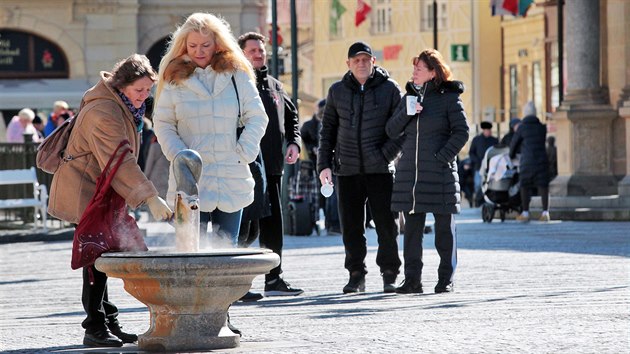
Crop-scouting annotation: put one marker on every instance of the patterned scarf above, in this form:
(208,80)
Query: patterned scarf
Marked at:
(137,113)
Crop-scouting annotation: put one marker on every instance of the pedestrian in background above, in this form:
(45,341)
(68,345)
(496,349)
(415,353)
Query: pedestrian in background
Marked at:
(533,167)
(111,112)
(280,144)
(507,138)
(477,151)
(310,137)
(53,122)
(552,157)
(354,146)
(21,126)
(435,131)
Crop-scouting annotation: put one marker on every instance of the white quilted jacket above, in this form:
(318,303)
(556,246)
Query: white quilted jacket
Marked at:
(201,113)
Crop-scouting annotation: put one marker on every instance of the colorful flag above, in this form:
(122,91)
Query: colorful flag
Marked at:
(497,8)
(363,10)
(523,6)
(336,10)
(510,7)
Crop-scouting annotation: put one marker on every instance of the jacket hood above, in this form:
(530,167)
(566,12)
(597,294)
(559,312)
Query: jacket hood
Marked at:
(379,75)
(446,86)
(180,68)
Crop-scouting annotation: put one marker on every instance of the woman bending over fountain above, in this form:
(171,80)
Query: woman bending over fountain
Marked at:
(111,112)
(206,90)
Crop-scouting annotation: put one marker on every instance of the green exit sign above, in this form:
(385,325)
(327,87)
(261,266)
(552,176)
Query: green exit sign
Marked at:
(459,52)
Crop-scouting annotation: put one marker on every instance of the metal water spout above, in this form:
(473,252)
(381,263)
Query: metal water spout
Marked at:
(187,166)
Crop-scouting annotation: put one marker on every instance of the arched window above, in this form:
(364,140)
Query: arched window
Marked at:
(24,55)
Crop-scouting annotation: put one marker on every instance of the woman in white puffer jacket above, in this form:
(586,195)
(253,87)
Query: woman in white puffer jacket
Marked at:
(198,107)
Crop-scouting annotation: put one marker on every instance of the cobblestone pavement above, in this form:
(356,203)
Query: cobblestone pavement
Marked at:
(559,287)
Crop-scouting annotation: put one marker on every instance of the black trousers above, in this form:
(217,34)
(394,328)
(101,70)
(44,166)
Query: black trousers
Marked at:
(445,244)
(271,227)
(353,193)
(95,301)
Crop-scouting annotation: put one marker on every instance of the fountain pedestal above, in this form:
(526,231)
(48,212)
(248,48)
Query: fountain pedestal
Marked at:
(188,294)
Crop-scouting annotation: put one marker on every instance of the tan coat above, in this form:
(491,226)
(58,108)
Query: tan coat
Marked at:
(103,122)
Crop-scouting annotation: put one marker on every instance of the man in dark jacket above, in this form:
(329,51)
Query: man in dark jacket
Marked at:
(282,130)
(477,151)
(533,166)
(353,144)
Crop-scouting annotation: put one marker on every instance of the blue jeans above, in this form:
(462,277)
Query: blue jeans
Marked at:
(225,225)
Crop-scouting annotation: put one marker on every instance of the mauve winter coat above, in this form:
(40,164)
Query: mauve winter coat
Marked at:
(199,110)
(426,175)
(103,122)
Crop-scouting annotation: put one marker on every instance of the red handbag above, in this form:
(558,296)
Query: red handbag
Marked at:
(105,225)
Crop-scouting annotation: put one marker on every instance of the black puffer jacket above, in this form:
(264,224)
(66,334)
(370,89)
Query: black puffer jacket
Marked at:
(530,138)
(426,175)
(353,139)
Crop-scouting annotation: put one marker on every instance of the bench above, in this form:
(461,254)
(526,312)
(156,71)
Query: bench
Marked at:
(39,199)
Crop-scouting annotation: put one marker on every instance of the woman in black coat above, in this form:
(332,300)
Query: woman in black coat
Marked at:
(426,177)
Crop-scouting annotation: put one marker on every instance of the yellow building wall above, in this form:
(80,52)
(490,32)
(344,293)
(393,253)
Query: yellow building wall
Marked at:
(524,44)
(489,69)
(330,55)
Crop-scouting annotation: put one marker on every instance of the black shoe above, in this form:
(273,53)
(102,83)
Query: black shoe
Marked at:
(356,284)
(250,297)
(116,329)
(410,287)
(279,287)
(389,281)
(101,338)
(444,287)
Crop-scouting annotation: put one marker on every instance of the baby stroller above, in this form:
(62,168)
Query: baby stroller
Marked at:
(500,184)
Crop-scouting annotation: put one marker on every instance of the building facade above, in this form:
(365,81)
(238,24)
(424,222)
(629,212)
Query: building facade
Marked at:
(54,49)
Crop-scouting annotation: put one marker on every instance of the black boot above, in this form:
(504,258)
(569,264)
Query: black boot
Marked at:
(444,286)
(410,286)
(116,330)
(101,338)
(356,283)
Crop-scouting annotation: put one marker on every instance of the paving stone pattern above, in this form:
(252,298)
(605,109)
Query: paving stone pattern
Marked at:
(559,287)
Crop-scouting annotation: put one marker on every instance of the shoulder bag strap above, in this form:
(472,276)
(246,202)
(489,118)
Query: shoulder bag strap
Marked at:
(239,130)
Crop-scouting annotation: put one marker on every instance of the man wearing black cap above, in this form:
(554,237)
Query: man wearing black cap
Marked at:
(354,146)
(478,148)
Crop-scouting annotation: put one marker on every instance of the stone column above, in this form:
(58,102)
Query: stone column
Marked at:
(624,109)
(584,119)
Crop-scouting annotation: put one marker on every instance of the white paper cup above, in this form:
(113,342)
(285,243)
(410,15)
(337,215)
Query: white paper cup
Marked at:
(327,190)
(411,105)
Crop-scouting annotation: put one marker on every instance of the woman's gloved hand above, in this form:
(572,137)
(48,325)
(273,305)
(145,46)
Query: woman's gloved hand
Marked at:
(159,209)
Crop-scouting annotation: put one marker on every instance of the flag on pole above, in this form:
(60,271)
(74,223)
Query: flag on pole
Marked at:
(336,10)
(510,7)
(363,10)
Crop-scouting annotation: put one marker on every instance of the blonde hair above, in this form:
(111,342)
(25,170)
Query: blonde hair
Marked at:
(228,55)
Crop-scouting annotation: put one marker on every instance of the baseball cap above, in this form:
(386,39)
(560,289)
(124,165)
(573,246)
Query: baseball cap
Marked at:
(359,48)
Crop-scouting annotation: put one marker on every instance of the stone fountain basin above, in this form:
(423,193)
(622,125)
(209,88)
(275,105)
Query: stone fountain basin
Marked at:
(188,294)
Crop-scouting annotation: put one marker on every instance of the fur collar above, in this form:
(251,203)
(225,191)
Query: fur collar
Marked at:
(180,68)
